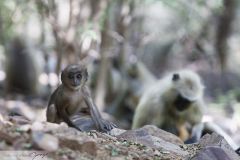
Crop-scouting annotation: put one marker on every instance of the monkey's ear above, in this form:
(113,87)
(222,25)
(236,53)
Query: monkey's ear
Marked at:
(62,76)
(175,77)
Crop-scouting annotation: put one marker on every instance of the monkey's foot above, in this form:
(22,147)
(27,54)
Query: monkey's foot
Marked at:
(107,126)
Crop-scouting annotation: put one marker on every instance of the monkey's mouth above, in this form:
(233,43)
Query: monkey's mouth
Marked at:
(75,87)
(75,84)
(182,103)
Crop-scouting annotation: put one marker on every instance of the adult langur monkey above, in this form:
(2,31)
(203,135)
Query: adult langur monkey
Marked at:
(175,104)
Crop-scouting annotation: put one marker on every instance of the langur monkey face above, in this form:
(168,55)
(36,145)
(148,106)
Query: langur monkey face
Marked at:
(182,103)
(188,88)
(74,76)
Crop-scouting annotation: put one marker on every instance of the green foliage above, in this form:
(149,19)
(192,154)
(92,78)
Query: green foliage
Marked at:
(114,152)
(231,95)
(13,14)
(6,13)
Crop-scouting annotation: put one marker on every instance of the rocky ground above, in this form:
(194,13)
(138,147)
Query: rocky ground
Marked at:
(29,139)
(42,140)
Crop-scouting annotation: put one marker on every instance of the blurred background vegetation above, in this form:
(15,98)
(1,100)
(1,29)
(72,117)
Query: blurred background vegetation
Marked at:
(126,45)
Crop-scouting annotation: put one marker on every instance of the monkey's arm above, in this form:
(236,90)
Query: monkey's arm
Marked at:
(101,124)
(142,113)
(196,133)
(51,108)
(195,119)
(53,97)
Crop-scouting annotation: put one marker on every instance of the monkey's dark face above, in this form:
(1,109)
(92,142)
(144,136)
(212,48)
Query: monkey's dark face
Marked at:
(74,76)
(182,103)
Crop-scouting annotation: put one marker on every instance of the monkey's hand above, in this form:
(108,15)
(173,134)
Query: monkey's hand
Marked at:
(101,124)
(238,151)
(106,126)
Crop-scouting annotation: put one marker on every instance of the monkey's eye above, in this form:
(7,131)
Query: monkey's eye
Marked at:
(79,76)
(175,77)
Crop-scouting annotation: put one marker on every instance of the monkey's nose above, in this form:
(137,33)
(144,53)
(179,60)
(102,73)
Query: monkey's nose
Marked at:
(75,83)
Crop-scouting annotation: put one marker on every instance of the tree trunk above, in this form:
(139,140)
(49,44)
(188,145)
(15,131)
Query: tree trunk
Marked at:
(224,28)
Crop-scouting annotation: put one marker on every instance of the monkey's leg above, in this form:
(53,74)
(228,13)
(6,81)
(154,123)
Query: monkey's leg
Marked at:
(183,132)
(63,114)
(85,123)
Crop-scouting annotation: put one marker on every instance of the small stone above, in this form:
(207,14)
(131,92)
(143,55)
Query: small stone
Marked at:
(19,120)
(89,147)
(46,142)
(37,126)
(116,131)
(53,126)
(21,108)
(24,128)
(157,153)
(183,147)
(114,152)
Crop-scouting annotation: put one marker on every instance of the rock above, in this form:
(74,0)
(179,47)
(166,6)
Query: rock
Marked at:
(21,108)
(212,153)
(158,143)
(37,126)
(156,138)
(154,131)
(78,141)
(3,120)
(42,126)
(24,128)
(47,126)
(87,145)
(18,120)
(44,141)
(6,137)
(215,143)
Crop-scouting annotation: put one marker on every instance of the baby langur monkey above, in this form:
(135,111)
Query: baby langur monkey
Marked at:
(73,98)
(174,104)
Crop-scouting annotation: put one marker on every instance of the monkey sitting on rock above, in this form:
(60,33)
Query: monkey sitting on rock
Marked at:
(175,104)
(72,98)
